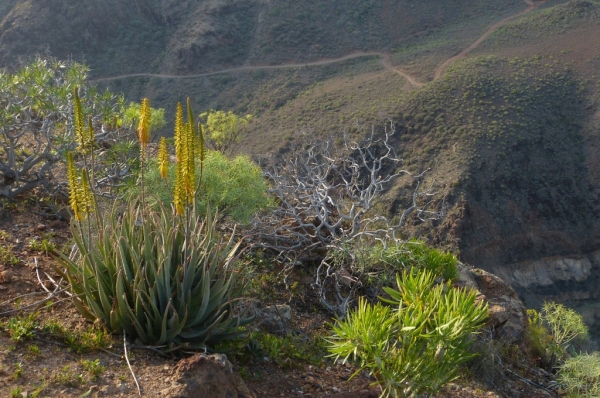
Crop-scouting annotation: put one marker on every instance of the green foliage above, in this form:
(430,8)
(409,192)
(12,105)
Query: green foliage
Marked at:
(566,324)
(552,332)
(287,350)
(415,345)
(223,128)
(381,263)
(94,368)
(16,392)
(235,186)
(131,116)
(580,376)
(22,328)
(537,335)
(35,107)
(547,22)
(169,281)
(7,256)
(91,337)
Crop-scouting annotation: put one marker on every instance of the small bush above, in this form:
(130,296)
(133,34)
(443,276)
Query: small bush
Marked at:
(417,344)
(35,119)
(537,335)
(235,186)
(580,376)
(566,327)
(381,264)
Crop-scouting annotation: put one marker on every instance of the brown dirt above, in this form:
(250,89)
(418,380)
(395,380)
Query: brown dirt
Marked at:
(56,370)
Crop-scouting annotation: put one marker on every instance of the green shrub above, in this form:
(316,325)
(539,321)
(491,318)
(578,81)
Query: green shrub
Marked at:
(565,325)
(235,186)
(35,117)
(554,332)
(381,263)
(537,335)
(580,376)
(415,345)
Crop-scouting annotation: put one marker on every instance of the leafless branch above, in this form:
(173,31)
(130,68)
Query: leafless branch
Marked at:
(327,198)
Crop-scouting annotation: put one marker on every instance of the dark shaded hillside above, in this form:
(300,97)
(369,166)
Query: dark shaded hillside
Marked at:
(520,126)
(183,36)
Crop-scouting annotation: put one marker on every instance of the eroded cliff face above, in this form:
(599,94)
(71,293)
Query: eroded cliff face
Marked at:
(572,280)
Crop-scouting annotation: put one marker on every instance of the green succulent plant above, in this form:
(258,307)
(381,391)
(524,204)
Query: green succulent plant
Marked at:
(169,281)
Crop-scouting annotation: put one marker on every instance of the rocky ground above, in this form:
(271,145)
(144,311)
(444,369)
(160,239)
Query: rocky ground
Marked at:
(59,354)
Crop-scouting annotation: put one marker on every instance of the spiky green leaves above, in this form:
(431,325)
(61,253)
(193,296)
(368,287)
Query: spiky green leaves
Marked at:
(416,344)
(170,282)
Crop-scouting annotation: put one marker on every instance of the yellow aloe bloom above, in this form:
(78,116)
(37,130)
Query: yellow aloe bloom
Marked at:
(179,194)
(78,119)
(201,148)
(163,158)
(74,191)
(87,200)
(178,131)
(143,127)
(189,165)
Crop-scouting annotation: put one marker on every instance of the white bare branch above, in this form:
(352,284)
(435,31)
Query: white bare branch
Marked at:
(327,199)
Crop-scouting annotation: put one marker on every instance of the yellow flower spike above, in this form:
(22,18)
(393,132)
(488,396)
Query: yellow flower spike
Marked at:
(190,113)
(78,119)
(74,192)
(143,127)
(87,200)
(178,130)
(201,149)
(163,158)
(190,167)
(179,196)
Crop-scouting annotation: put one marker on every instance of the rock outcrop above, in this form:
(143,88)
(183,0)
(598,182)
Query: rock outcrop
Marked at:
(507,314)
(571,280)
(206,376)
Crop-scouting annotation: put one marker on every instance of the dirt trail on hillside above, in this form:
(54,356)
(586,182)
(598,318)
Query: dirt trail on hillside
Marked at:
(442,68)
(385,59)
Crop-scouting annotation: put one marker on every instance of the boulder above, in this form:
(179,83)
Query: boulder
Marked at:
(205,375)
(507,314)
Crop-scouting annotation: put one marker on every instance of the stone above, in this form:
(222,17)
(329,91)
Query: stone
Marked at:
(274,319)
(5,276)
(205,375)
(507,313)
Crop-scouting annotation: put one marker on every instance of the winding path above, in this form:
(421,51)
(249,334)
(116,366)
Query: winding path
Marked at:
(385,58)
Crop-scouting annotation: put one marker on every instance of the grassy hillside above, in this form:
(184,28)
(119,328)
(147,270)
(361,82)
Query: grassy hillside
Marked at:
(516,128)
(186,36)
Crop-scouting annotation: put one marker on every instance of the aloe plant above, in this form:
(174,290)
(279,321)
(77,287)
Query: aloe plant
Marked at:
(168,280)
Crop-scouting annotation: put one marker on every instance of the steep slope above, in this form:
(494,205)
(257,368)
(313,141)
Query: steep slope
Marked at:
(187,36)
